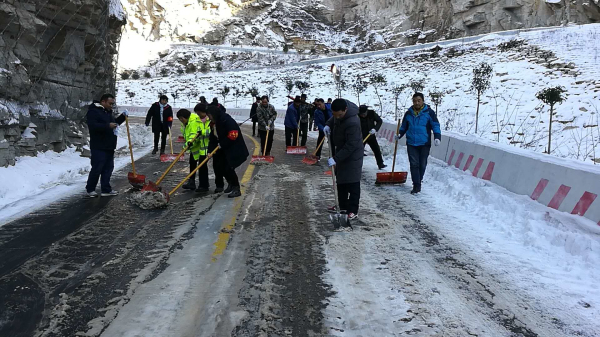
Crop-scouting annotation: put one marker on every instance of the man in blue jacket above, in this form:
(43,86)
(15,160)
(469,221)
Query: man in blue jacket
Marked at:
(103,141)
(418,123)
(322,115)
(291,123)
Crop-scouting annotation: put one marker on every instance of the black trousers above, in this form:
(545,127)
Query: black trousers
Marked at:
(417,156)
(163,140)
(254,128)
(321,136)
(291,136)
(372,142)
(310,123)
(263,139)
(303,133)
(103,163)
(202,172)
(349,197)
(223,170)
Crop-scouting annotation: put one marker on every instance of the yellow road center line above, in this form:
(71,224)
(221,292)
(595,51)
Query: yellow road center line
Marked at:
(224,234)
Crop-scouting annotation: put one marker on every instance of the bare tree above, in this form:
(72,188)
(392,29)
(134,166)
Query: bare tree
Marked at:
(224,92)
(480,82)
(302,86)
(397,90)
(417,85)
(289,85)
(253,91)
(378,81)
(551,97)
(270,90)
(358,87)
(237,94)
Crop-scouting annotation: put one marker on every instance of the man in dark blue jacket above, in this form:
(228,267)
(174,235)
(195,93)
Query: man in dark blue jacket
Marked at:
(291,123)
(322,115)
(103,141)
(418,123)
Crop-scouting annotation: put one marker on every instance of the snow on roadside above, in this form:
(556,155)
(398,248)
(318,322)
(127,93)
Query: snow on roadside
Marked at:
(545,257)
(37,181)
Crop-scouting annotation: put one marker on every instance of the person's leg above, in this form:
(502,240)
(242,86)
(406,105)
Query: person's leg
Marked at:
(163,140)
(372,141)
(321,136)
(97,161)
(415,168)
(270,142)
(107,170)
(156,137)
(343,196)
(288,136)
(295,137)
(423,156)
(233,181)
(354,197)
(203,174)
(310,124)
(191,183)
(253,128)
(218,168)
(304,132)
(263,139)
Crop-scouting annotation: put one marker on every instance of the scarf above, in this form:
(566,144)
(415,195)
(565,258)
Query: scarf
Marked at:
(162,107)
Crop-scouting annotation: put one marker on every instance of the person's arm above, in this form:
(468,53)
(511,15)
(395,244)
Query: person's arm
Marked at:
(149,115)
(330,122)
(378,121)
(273,116)
(404,127)
(352,143)
(168,115)
(435,125)
(95,122)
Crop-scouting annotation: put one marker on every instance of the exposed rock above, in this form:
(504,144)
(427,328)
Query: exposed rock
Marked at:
(55,57)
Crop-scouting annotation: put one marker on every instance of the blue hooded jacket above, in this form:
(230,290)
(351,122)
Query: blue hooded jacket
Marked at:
(321,117)
(291,117)
(418,128)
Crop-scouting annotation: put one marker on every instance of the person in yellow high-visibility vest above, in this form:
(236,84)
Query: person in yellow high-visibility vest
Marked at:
(193,124)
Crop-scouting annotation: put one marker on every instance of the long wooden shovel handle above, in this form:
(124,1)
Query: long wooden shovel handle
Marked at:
(194,171)
(266,140)
(298,136)
(130,148)
(318,147)
(367,137)
(175,161)
(396,146)
(171,141)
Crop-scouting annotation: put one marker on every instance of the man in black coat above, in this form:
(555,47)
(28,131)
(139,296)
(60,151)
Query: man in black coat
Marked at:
(232,153)
(344,130)
(253,115)
(161,116)
(103,129)
(370,123)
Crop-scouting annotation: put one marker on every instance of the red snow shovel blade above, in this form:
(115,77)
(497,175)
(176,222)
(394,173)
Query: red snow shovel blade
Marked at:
(165,158)
(310,159)
(150,187)
(136,180)
(179,139)
(391,178)
(296,150)
(262,160)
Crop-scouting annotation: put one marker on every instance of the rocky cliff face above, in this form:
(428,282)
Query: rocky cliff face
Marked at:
(55,57)
(346,24)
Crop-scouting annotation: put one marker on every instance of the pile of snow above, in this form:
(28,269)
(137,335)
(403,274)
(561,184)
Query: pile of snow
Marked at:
(509,113)
(36,181)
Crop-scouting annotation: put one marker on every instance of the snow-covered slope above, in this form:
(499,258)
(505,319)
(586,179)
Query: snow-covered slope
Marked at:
(510,113)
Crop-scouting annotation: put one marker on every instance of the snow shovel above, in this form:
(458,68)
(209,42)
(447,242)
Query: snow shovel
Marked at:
(338,219)
(263,159)
(191,173)
(153,187)
(165,157)
(392,177)
(136,180)
(312,159)
(296,149)
(244,122)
